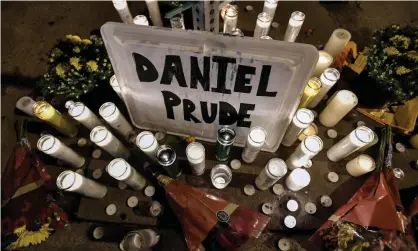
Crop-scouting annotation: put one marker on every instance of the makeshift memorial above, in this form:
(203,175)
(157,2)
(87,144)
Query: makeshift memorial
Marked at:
(298,179)
(108,142)
(154,11)
(230,20)
(195,153)
(122,7)
(83,114)
(139,240)
(141,20)
(338,106)
(55,148)
(177,21)
(311,130)
(294,26)
(167,158)
(336,43)
(220,175)
(148,144)
(25,104)
(122,171)
(115,86)
(324,61)
(255,141)
(262,26)
(328,78)
(306,150)
(311,90)
(115,118)
(360,165)
(225,139)
(70,181)
(270,7)
(302,119)
(272,172)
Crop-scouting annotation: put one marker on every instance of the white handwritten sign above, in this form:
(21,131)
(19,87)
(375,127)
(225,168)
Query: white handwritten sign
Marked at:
(190,83)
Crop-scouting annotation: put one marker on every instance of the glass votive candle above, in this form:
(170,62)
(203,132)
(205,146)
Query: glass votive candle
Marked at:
(262,25)
(122,171)
(83,114)
(340,104)
(141,20)
(220,175)
(324,61)
(306,150)
(230,20)
(255,141)
(108,142)
(195,153)
(177,22)
(311,130)
(272,172)
(70,181)
(374,142)
(298,179)
(115,119)
(293,28)
(302,119)
(115,86)
(270,7)
(47,113)
(328,78)
(225,139)
(25,104)
(310,91)
(358,138)
(360,165)
(55,148)
(147,143)
(167,158)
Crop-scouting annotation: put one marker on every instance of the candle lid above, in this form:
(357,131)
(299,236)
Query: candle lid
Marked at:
(145,140)
(166,155)
(226,135)
(249,8)
(275,24)
(257,135)
(277,167)
(290,221)
(195,151)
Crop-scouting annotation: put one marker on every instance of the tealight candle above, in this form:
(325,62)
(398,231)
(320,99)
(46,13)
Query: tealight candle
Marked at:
(324,61)
(154,11)
(231,19)
(272,172)
(263,25)
(177,22)
(115,86)
(414,141)
(255,141)
(122,171)
(337,42)
(311,130)
(290,221)
(339,105)
(122,8)
(55,148)
(306,150)
(115,119)
(83,114)
(141,20)
(73,182)
(328,78)
(147,143)
(302,119)
(294,26)
(361,165)
(195,153)
(358,138)
(292,205)
(270,7)
(108,142)
(298,179)
(310,91)
(47,113)
(25,104)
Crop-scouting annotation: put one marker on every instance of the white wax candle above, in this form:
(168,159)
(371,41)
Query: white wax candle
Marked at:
(263,25)
(55,148)
(292,205)
(141,20)
(358,138)
(298,179)
(115,86)
(195,153)
(328,78)
(324,61)
(302,119)
(272,172)
(115,119)
(121,170)
(231,19)
(361,165)
(73,182)
(122,7)
(255,141)
(337,42)
(414,141)
(105,139)
(83,114)
(147,143)
(293,28)
(25,104)
(339,105)
(154,11)
(270,7)
(306,150)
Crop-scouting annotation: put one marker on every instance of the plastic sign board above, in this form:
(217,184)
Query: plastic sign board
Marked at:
(190,83)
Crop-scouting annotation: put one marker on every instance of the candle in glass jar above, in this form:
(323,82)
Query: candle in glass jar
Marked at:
(122,171)
(25,104)
(231,19)
(167,158)
(338,106)
(324,61)
(361,165)
(225,139)
(83,114)
(70,181)
(141,20)
(147,143)
(374,142)
(293,28)
(108,142)
(306,150)
(55,148)
(272,172)
(115,119)
(311,130)
(255,141)
(195,153)
(263,25)
(310,91)
(328,78)
(358,138)
(47,113)
(115,86)
(122,8)
(270,7)
(302,119)
(298,179)
(337,42)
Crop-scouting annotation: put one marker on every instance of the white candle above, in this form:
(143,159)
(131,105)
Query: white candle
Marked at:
(255,141)
(337,42)
(263,25)
(272,172)
(328,78)
(338,106)
(298,179)
(55,148)
(122,171)
(154,11)
(122,7)
(147,143)
(230,20)
(302,119)
(73,182)
(361,165)
(141,20)
(195,153)
(306,150)
(83,114)
(324,61)
(309,131)
(293,28)
(177,22)
(358,138)
(25,104)
(270,7)
(115,86)
(108,142)
(292,205)
(115,119)
(414,141)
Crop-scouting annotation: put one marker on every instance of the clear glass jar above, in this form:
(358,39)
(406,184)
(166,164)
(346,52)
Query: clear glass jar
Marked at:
(115,118)
(295,24)
(83,114)
(270,7)
(139,240)
(195,153)
(310,91)
(55,148)
(328,79)
(167,158)
(105,139)
(262,26)
(272,172)
(220,176)
(70,181)
(225,139)
(306,150)
(147,143)
(255,141)
(302,119)
(122,171)
(230,20)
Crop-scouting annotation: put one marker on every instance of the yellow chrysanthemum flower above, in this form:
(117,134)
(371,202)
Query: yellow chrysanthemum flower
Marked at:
(51,60)
(412,55)
(399,38)
(76,49)
(60,70)
(87,41)
(92,65)
(402,70)
(391,51)
(75,62)
(73,38)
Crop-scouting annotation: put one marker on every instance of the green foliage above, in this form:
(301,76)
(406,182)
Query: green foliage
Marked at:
(393,62)
(75,67)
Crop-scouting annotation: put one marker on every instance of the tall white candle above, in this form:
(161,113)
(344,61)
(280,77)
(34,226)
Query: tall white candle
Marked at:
(108,142)
(83,114)
(73,182)
(302,119)
(324,61)
(147,143)
(272,172)
(141,20)
(154,11)
(270,7)
(255,141)
(230,20)
(122,171)
(195,153)
(122,7)
(337,42)
(358,138)
(361,165)
(298,179)
(306,150)
(55,148)
(115,86)
(339,105)
(295,24)
(328,78)
(115,119)
(262,25)
(25,104)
